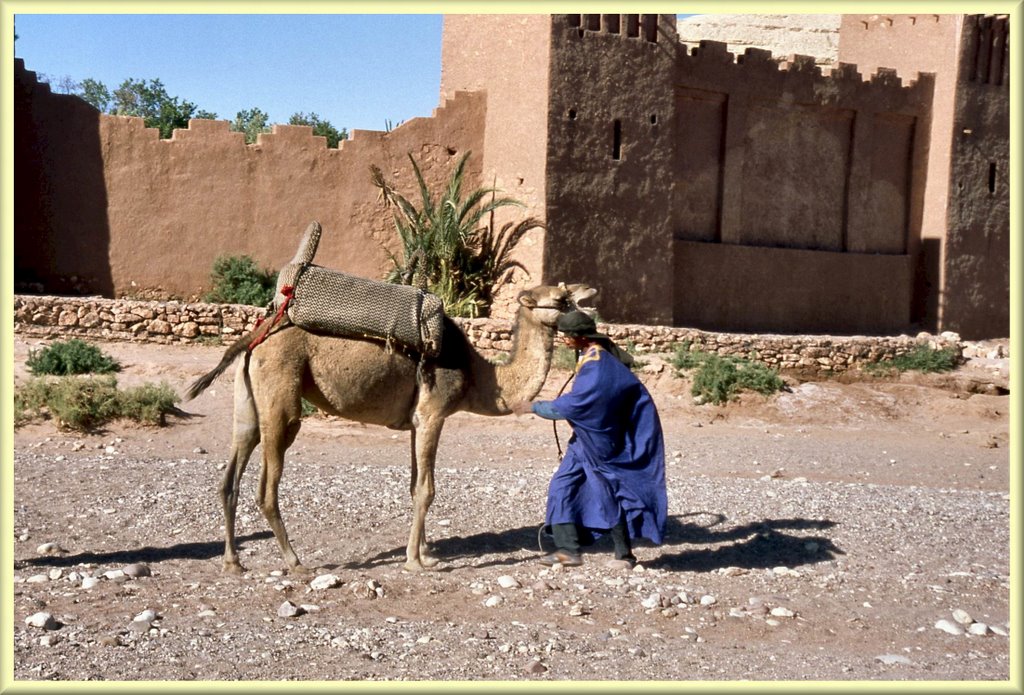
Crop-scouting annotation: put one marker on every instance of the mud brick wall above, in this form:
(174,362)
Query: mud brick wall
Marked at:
(104,206)
(95,318)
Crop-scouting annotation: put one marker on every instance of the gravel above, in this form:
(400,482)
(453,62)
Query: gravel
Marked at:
(868,547)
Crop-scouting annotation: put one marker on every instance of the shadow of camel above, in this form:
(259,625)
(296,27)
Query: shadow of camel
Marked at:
(148,554)
(755,545)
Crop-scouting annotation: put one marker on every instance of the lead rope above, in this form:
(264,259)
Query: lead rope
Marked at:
(554,423)
(289,293)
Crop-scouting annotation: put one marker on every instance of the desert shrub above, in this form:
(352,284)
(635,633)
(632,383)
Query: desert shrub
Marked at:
(75,402)
(719,379)
(148,403)
(684,357)
(238,280)
(72,356)
(87,402)
(716,380)
(30,400)
(923,358)
(759,377)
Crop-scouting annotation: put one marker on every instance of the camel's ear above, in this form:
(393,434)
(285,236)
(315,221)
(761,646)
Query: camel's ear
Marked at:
(527,299)
(581,292)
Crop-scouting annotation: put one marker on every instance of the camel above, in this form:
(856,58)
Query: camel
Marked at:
(367,381)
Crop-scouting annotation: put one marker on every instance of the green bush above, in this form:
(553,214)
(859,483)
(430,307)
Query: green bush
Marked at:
(238,280)
(759,377)
(719,379)
(87,402)
(450,242)
(685,357)
(148,403)
(924,358)
(715,381)
(72,356)
(30,400)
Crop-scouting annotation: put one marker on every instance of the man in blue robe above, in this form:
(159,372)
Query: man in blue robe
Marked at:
(612,476)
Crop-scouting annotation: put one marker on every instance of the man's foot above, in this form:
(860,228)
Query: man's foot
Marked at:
(625,563)
(562,557)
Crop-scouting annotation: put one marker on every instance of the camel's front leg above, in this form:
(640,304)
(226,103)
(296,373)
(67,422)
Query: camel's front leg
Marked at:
(425,438)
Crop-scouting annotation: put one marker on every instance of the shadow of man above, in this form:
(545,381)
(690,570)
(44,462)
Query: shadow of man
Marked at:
(761,544)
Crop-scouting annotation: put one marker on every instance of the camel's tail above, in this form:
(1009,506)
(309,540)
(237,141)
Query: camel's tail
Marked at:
(232,353)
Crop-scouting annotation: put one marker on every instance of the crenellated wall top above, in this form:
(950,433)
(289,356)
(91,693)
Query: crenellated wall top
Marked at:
(882,22)
(757,65)
(206,131)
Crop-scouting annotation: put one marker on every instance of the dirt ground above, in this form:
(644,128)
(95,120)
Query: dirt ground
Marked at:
(841,531)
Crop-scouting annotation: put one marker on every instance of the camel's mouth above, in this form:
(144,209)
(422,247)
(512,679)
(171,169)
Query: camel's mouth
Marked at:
(576,294)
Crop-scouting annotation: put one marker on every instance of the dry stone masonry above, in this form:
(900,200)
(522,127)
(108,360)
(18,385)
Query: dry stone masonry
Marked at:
(96,318)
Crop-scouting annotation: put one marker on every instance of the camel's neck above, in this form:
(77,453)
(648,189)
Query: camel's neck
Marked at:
(499,387)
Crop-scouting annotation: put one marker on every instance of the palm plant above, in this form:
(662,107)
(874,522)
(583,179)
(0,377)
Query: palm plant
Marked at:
(446,243)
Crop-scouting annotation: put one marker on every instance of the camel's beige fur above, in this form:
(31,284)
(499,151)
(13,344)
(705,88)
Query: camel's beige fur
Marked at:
(364,381)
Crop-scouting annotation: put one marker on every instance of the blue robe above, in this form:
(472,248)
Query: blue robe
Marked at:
(614,463)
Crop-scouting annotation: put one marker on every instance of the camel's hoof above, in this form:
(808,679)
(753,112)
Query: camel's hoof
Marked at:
(421,565)
(233,567)
(300,569)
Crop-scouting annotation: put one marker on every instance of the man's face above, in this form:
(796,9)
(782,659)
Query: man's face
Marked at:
(574,342)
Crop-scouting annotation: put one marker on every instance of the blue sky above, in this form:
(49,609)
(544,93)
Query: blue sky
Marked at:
(354,70)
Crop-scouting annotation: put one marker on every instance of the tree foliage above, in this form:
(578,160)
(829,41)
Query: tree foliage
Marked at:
(146,99)
(320,127)
(60,85)
(96,93)
(150,100)
(450,240)
(252,122)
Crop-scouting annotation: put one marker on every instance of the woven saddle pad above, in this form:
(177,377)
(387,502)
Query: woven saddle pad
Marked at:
(333,302)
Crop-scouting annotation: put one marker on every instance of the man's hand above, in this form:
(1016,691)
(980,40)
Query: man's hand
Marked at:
(522,408)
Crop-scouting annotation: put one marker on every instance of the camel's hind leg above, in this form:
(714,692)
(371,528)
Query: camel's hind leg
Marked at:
(280,420)
(244,438)
(425,438)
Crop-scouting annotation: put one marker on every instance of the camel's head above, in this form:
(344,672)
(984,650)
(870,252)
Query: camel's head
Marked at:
(547,302)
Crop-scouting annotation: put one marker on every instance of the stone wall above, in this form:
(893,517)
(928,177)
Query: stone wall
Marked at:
(95,318)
